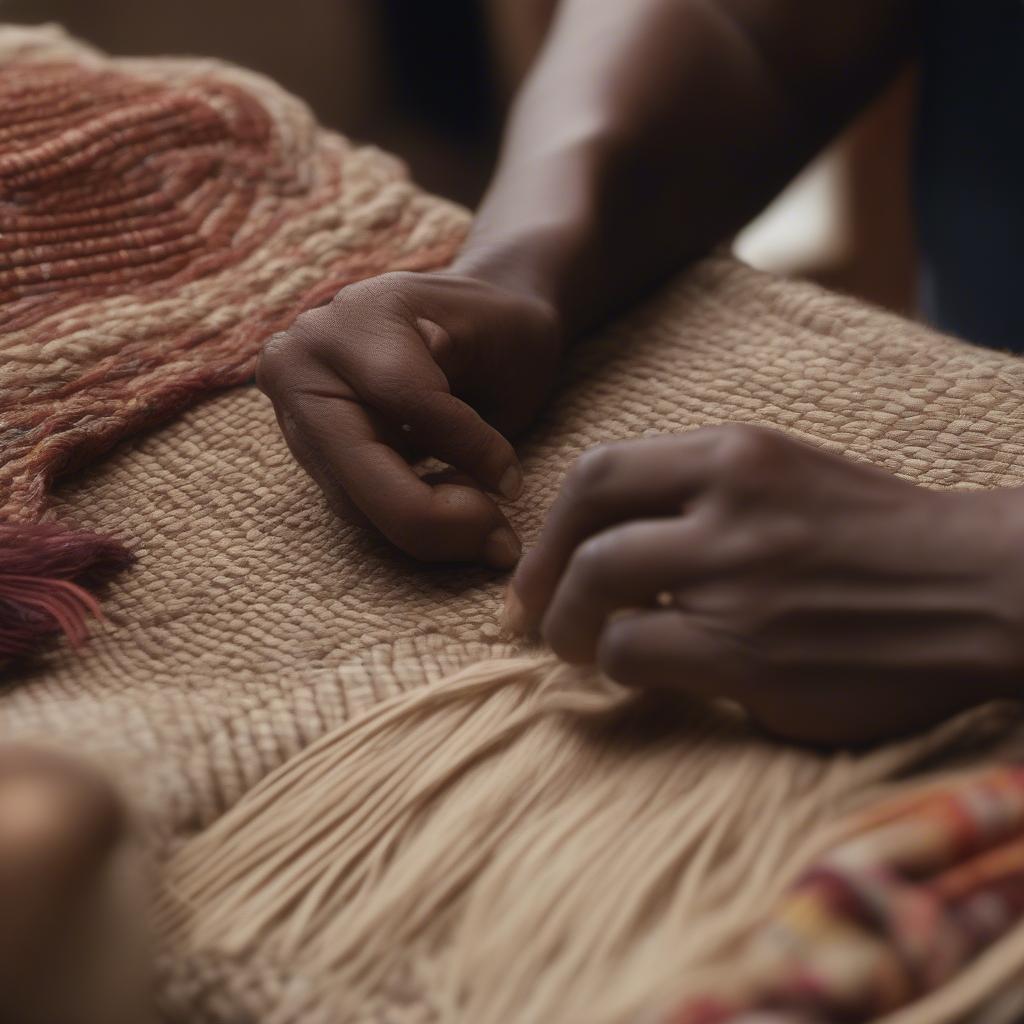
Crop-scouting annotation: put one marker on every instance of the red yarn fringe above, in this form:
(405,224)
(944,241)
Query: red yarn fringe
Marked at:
(46,574)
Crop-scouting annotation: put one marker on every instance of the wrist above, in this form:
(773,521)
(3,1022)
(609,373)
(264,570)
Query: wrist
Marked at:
(519,265)
(513,268)
(541,238)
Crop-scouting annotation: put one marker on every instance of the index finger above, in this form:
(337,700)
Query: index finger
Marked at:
(442,523)
(606,486)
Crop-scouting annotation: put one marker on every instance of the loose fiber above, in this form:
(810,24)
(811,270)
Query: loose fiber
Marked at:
(44,575)
(159,220)
(552,847)
(255,624)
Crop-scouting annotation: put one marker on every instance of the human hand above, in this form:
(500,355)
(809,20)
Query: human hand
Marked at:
(404,366)
(836,602)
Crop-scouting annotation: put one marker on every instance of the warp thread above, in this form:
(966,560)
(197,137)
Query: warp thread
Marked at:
(552,846)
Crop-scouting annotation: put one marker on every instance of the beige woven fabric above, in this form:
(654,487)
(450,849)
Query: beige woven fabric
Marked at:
(254,622)
(159,220)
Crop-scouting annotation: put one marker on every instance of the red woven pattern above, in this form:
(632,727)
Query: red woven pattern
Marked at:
(112,185)
(158,220)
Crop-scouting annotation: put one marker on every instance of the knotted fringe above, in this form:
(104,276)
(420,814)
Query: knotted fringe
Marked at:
(46,573)
(549,846)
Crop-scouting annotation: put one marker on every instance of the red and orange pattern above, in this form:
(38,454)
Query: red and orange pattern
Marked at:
(922,885)
(159,219)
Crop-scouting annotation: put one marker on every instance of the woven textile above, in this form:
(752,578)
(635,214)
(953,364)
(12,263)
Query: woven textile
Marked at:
(915,891)
(254,622)
(159,219)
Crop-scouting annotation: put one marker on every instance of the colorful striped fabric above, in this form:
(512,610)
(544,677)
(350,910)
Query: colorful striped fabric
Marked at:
(920,886)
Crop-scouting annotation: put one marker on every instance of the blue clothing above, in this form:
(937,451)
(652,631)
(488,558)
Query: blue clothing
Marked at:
(969,188)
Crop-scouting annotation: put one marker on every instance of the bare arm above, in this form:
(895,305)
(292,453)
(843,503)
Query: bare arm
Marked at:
(650,130)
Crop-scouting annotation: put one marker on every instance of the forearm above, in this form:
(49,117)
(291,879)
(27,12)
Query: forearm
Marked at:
(650,130)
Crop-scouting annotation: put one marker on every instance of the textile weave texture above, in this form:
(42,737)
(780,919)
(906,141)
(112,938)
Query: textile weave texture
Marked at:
(919,887)
(159,219)
(254,623)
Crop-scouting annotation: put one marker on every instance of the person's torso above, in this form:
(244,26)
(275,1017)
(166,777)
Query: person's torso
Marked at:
(970,170)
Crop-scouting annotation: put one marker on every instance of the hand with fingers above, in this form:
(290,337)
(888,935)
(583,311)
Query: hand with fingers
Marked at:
(404,366)
(837,603)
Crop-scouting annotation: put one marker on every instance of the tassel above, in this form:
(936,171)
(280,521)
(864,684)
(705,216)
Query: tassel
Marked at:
(46,574)
(539,843)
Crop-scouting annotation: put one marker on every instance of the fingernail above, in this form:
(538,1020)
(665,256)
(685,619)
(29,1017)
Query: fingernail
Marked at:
(511,483)
(502,549)
(513,615)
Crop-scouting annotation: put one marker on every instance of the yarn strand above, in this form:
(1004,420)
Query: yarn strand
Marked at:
(46,573)
(532,832)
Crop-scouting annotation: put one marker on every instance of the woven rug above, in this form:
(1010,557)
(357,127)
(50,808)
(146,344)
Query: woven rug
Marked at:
(159,219)
(253,625)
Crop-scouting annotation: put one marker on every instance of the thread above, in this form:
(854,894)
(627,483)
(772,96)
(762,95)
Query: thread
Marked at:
(46,574)
(555,847)
(159,220)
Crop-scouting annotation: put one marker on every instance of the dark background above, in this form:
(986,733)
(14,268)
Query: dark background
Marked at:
(431,79)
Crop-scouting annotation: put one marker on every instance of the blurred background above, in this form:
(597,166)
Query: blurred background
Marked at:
(430,80)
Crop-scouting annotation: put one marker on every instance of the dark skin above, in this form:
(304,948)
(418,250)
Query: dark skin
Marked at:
(705,108)
(753,567)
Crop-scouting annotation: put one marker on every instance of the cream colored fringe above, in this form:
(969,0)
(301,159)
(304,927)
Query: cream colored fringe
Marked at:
(565,850)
